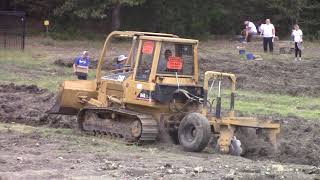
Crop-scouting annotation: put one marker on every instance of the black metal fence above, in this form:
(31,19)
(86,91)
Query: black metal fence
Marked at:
(12,29)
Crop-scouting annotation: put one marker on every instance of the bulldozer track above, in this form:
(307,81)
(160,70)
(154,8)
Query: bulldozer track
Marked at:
(133,127)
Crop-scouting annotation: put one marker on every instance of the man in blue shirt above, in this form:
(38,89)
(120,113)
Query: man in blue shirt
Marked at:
(81,65)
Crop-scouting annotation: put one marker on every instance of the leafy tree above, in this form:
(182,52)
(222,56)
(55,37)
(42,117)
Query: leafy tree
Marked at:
(36,8)
(189,18)
(96,9)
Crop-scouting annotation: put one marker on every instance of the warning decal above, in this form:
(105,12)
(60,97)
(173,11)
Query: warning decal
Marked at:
(148,47)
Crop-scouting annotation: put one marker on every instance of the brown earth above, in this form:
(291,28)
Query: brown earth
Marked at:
(46,153)
(299,142)
(28,104)
(275,73)
(301,78)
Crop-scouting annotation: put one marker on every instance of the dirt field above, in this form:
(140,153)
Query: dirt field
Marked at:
(275,74)
(28,104)
(48,153)
(42,153)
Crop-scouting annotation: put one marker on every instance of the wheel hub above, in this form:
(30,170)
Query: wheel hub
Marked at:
(191,133)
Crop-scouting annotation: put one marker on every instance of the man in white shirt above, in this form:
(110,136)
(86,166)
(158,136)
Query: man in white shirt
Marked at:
(297,37)
(268,33)
(249,30)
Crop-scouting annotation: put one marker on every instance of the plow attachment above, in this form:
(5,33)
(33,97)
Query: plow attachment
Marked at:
(228,126)
(73,96)
(225,127)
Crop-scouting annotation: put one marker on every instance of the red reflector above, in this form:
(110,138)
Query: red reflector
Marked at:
(174,63)
(148,47)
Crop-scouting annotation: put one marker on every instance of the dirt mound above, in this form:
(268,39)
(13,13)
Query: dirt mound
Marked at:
(299,143)
(28,104)
(269,76)
(63,62)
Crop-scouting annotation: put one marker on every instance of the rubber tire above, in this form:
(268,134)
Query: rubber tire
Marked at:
(202,136)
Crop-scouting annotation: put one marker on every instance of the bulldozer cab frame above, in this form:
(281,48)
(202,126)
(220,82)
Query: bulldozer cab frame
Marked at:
(149,58)
(156,63)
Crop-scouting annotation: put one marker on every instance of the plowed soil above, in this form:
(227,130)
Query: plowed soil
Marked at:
(48,153)
(276,77)
(299,141)
(274,74)
(28,104)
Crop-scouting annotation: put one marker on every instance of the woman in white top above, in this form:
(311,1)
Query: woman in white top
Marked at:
(297,37)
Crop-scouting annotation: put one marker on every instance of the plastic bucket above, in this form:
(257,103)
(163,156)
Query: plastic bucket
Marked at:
(250,56)
(242,39)
(242,51)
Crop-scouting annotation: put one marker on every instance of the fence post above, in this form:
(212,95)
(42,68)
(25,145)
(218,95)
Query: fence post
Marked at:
(23,31)
(5,40)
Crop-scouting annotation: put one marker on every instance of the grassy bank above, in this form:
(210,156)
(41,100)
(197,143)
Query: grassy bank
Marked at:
(254,103)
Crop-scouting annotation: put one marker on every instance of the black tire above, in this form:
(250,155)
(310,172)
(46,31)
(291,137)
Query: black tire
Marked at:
(194,132)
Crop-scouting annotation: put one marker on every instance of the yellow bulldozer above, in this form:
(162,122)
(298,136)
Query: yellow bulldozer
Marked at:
(158,90)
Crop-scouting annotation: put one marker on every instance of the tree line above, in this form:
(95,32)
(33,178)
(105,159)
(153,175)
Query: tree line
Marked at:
(190,18)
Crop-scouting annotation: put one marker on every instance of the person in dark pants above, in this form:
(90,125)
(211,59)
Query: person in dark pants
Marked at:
(297,37)
(268,41)
(268,33)
(81,66)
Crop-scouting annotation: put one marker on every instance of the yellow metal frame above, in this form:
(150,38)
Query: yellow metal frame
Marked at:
(226,126)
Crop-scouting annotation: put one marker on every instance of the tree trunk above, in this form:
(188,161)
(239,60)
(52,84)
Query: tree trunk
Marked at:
(116,17)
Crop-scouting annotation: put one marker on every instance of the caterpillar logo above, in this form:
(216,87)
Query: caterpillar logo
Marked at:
(145,95)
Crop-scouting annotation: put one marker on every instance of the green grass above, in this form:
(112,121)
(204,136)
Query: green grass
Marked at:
(254,103)
(23,68)
(283,105)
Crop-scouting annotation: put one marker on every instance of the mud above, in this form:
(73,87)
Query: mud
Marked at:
(299,141)
(39,153)
(28,105)
(269,76)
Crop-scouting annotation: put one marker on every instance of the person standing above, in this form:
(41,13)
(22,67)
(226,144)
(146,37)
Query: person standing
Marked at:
(297,37)
(249,31)
(268,33)
(81,65)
